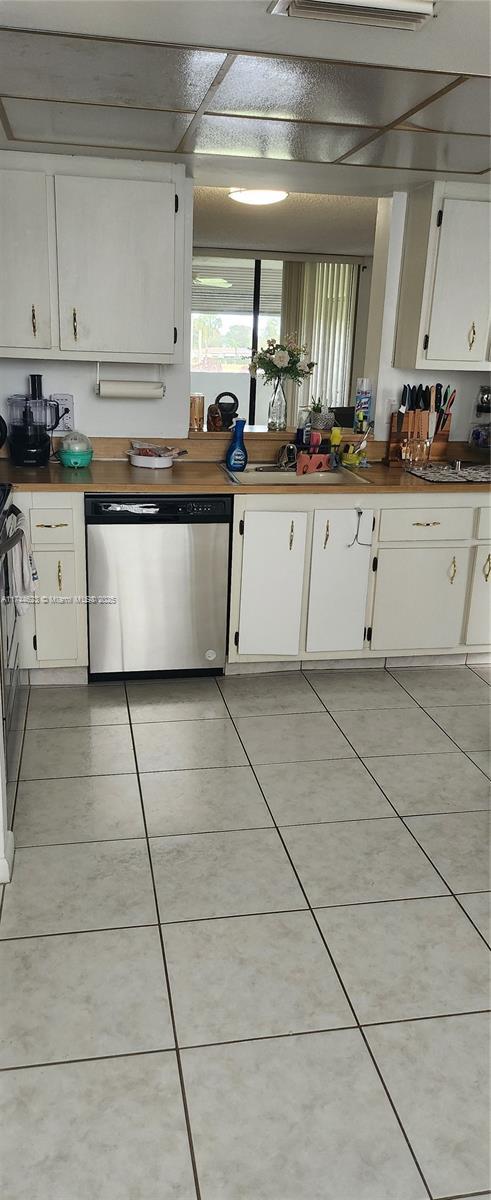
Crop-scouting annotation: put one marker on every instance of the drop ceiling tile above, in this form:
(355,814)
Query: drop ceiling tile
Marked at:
(71,68)
(341,93)
(467,109)
(94,125)
(426,152)
(248,138)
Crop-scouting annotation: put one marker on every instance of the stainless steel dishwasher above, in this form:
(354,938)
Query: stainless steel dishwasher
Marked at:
(158,583)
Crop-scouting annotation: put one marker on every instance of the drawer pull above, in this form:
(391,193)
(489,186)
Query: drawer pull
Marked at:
(33,321)
(487,568)
(426,524)
(60,576)
(453,569)
(472,335)
(56,525)
(292,534)
(326,535)
(75,324)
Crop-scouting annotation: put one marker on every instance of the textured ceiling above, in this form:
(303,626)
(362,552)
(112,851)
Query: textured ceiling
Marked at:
(303,223)
(64,92)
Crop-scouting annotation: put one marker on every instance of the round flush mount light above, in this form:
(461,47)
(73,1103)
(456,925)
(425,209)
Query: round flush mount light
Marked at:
(256,196)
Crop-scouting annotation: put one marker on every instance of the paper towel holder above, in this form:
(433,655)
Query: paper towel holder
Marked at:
(129,389)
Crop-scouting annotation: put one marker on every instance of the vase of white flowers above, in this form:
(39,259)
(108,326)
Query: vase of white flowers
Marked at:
(279,361)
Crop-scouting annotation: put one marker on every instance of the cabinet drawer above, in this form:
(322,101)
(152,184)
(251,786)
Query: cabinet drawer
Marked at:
(51,526)
(426,524)
(484,524)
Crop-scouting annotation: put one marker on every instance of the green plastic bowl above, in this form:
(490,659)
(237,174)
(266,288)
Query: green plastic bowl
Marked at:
(75,458)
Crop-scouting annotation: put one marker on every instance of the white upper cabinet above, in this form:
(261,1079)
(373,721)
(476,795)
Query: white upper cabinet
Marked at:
(92,259)
(115,240)
(272,582)
(444,296)
(25,312)
(459,318)
(341,545)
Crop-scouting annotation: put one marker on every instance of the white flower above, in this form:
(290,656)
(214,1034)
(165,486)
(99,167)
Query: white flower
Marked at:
(281,358)
(303,366)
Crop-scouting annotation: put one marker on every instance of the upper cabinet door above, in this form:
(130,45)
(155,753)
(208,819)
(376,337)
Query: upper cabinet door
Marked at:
(459,319)
(115,241)
(339,579)
(272,582)
(25,314)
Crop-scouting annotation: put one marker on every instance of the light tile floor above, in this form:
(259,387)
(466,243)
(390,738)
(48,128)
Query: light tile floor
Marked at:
(245,952)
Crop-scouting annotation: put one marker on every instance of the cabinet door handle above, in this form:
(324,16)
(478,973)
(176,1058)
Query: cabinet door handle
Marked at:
(292,535)
(326,534)
(34,321)
(426,524)
(453,569)
(487,568)
(57,525)
(75,324)
(471,336)
(60,576)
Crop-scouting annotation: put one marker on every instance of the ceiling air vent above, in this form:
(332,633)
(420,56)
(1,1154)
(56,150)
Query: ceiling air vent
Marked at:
(393,14)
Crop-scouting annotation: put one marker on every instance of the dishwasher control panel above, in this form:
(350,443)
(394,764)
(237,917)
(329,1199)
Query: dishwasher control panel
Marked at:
(133,509)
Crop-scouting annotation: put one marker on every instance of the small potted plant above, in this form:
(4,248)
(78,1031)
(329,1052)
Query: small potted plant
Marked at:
(319,416)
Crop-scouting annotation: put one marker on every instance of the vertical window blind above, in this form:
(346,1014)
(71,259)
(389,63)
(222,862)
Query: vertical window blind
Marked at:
(327,326)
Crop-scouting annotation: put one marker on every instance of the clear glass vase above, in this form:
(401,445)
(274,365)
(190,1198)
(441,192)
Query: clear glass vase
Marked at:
(277,407)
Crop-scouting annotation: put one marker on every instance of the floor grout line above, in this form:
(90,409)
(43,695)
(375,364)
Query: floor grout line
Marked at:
(338,974)
(149,837)
(167,977)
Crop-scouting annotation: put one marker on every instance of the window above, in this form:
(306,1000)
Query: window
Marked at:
(238,303)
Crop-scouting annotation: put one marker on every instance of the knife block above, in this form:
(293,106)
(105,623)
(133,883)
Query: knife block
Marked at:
(418,421)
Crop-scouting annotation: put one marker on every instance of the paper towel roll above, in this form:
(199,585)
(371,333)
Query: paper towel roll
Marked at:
(130,389)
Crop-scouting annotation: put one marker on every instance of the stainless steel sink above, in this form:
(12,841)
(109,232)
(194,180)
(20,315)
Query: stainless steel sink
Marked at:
(261,474)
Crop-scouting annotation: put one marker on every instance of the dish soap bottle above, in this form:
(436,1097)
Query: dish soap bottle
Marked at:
(236,456)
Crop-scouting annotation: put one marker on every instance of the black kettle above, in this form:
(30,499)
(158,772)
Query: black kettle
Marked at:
(228,408)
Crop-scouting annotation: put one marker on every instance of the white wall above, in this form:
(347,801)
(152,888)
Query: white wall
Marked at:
(390,380)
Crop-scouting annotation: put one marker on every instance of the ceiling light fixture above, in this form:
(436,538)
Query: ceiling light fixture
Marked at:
(212,281)
(256,196)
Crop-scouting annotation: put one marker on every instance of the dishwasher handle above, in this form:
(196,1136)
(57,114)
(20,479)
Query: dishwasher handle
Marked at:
(135,509)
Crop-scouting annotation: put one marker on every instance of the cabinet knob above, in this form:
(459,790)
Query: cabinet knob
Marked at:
(33,320)
(453,569)
(75,324)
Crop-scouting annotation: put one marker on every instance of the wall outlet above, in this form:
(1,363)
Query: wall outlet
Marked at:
(67,422)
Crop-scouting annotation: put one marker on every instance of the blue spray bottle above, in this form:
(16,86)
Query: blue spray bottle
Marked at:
(236,456)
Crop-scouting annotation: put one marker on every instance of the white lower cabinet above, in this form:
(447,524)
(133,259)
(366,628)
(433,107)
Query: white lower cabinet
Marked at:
(479,620)
(341,545)
(56,615)
(272,582)
(420,595)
